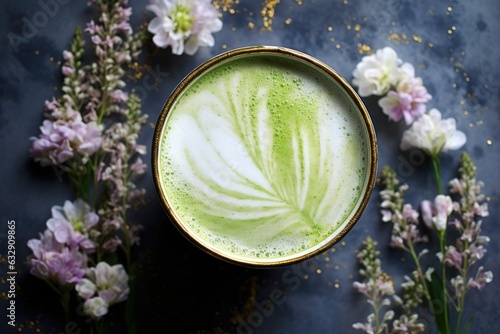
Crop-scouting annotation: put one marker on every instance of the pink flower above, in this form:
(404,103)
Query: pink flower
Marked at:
(407,102)
(481,279)
(61,139)
(71,224)
(427,212)
(54,261)
(453,257)
(362,288)
(409,214)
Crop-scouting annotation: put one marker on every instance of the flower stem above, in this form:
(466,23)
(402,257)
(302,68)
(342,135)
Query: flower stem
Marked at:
(421,276)
(442,246)
(437,172)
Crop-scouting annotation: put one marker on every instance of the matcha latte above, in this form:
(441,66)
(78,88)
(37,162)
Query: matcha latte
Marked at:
(264,156)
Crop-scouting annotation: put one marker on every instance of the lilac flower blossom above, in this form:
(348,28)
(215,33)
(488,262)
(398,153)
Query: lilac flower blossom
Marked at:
(71,224)
(95,117)
(403,216)
(184,25)
(56,262)
(379,290)
(408,100)
(63,139)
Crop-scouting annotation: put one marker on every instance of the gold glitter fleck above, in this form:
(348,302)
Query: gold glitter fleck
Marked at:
(417,39)
(51,58)
(403,38)
(454,85)
(431,45)
(337,46)
(471,125)
(233,29)
(318,271)
(450,9)
(343,243)
(225,5)
(337,267)
(466,113)
(288,21)
(267,13)
(489,142)
(480,122)
(337,285)
(251,25)
(348,26)
(299,2)
(357,27)
(330,28)
(363,48)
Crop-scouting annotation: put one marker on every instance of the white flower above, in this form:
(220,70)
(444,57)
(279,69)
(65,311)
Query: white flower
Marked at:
(85,288)
(376,73)
(95,307)
(104,286)
(433,134)
(443,206)
(111,282)
(184,25)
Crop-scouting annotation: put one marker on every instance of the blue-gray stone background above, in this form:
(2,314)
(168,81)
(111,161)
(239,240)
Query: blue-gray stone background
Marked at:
(454,46)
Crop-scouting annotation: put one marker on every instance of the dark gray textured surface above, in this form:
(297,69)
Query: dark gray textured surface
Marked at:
(454,48)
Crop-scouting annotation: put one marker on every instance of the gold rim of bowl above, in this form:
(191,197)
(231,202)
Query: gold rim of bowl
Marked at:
(283,52)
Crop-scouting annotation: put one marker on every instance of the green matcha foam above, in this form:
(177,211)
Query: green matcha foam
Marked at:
(263,158)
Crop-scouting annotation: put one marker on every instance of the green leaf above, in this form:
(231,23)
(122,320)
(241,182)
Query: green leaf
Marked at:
(436,292)
(467,324)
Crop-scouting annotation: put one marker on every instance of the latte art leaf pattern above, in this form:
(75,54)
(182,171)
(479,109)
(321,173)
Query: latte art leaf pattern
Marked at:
(262,160)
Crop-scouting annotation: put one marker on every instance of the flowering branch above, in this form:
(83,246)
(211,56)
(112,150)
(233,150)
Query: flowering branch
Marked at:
(377,74)
(378,288)
(90,133)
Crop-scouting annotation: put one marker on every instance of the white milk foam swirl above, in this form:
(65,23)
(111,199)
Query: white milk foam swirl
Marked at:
(263,159)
